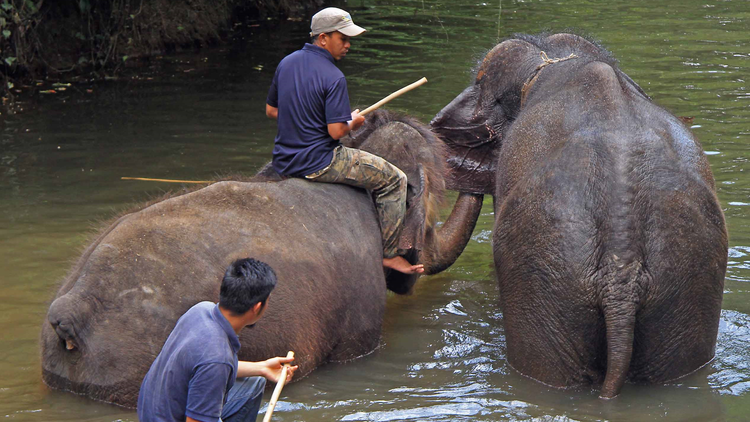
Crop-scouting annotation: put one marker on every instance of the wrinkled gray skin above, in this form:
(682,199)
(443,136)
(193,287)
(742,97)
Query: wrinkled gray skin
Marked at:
(121,300)
(609,242)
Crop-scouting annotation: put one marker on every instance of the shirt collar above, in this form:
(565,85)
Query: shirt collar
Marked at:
(319,50)
(223,323)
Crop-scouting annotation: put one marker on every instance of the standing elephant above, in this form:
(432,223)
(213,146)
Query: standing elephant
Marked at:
(122,298)
(609,242)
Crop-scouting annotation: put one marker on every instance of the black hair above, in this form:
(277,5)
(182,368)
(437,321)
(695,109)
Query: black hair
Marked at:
(315,37)
(246,282)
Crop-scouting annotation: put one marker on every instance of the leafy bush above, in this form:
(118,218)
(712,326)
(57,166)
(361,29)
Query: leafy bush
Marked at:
(57,36)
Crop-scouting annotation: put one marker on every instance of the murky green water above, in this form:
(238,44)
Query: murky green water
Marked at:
(191,116)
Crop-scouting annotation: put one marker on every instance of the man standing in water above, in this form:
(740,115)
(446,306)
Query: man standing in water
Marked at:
(193,377)
(310,101)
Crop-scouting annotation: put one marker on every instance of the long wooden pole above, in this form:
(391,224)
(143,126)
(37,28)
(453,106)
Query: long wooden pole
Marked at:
(373,107)
(401,91)
(167,180)
(277,390)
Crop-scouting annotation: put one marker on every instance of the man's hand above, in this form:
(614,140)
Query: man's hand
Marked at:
(272,112)
(339,130)
(357,120)
(273,368)
(269,369)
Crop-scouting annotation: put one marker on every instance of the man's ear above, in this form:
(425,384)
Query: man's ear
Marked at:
(257,308)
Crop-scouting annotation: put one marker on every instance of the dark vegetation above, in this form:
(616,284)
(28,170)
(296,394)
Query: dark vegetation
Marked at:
(40,38)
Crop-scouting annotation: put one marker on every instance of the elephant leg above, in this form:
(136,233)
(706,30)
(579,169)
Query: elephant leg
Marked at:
(676,329)
(559,341)
(553,321)
(685,258)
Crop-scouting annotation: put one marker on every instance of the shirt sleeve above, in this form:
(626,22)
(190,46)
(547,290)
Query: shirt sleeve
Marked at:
(337,103)
(206,391)
(273,92)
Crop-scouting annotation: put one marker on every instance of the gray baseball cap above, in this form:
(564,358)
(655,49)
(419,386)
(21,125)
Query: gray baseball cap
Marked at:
(334,19)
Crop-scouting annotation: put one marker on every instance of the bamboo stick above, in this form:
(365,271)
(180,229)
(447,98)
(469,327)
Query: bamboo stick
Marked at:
(401,91)
(277,390)
(373,107)
(167,180)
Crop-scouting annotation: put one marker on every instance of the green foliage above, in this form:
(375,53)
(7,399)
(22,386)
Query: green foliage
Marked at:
(54,36)
(17,19)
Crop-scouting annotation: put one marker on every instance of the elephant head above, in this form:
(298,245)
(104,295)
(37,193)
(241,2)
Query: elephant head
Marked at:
(476,122)
(420,154)
(415,149)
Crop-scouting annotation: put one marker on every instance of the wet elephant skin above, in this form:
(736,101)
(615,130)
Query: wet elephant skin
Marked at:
(122,298)
(609,243)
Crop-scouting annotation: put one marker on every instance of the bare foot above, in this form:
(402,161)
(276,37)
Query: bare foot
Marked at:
(400,264)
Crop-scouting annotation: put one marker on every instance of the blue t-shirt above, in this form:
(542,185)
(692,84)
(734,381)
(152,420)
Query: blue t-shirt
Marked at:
(194,371)
(310,92)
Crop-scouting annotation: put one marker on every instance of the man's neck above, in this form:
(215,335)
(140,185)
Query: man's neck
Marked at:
(320,46)
(237,322)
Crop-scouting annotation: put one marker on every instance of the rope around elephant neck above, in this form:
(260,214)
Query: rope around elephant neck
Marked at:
(546,61)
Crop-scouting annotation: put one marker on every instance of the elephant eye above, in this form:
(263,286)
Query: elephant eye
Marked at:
(501,101)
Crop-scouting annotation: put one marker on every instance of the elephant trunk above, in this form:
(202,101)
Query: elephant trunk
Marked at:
(63,316)
(444,247)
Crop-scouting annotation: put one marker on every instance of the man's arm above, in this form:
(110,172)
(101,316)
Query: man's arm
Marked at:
(339,130)
(206,390)
(269,369)
(272,112)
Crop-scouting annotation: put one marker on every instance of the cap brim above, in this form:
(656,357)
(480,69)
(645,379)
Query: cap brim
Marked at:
(352,30)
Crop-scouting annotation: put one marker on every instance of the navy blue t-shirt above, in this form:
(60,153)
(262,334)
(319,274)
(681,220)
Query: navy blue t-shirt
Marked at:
(194,371)
(310,92)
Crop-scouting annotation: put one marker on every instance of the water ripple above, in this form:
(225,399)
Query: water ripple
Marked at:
(739,251)
(732,363)
(419,413)
(454,307)
(484,236)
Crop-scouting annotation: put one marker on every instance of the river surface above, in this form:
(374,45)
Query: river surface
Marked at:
(195,115)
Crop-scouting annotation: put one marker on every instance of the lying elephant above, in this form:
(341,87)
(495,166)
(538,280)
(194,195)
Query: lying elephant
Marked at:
(121,300)
(609,243)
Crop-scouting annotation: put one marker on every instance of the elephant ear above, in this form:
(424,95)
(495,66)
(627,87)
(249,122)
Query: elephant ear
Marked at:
(412,234)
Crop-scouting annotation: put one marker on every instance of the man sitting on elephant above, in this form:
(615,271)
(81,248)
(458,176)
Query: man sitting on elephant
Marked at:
(193,378)
(309,99)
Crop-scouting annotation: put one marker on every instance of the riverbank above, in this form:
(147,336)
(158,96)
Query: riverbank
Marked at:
(54,39)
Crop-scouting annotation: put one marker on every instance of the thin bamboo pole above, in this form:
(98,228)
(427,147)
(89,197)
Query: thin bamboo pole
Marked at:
(167,180)
(373,107)
(277,390)
(398,93)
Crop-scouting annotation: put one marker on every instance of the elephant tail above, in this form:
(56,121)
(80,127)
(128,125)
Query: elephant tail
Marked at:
(620,302)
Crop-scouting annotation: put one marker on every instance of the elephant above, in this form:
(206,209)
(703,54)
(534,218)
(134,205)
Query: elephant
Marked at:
(120,301)
(609,242)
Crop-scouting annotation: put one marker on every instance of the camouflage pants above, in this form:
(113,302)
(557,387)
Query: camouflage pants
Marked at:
(385,181)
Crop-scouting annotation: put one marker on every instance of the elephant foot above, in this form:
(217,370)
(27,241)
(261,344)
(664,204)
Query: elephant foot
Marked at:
(400,264)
